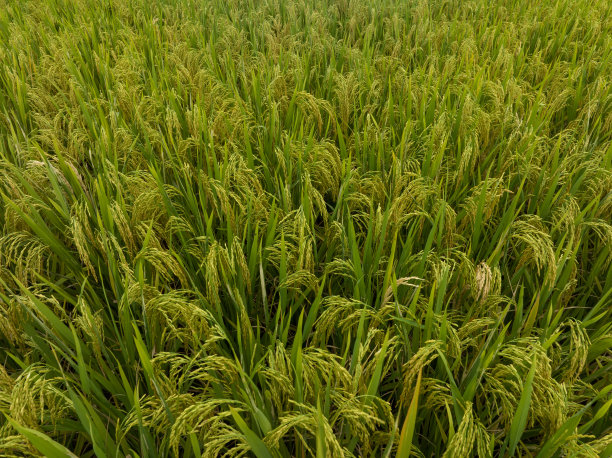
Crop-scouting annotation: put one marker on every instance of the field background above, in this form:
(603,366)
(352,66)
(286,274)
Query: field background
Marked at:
(327,228)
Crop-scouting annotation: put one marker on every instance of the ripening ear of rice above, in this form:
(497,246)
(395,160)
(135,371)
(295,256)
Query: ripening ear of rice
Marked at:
(278,229)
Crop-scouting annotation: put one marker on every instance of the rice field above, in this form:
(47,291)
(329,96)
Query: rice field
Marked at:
(328,228)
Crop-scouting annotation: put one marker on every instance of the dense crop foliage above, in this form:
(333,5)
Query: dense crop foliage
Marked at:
(293,228)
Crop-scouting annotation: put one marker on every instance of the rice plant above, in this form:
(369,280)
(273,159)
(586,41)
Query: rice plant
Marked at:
(344,228)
